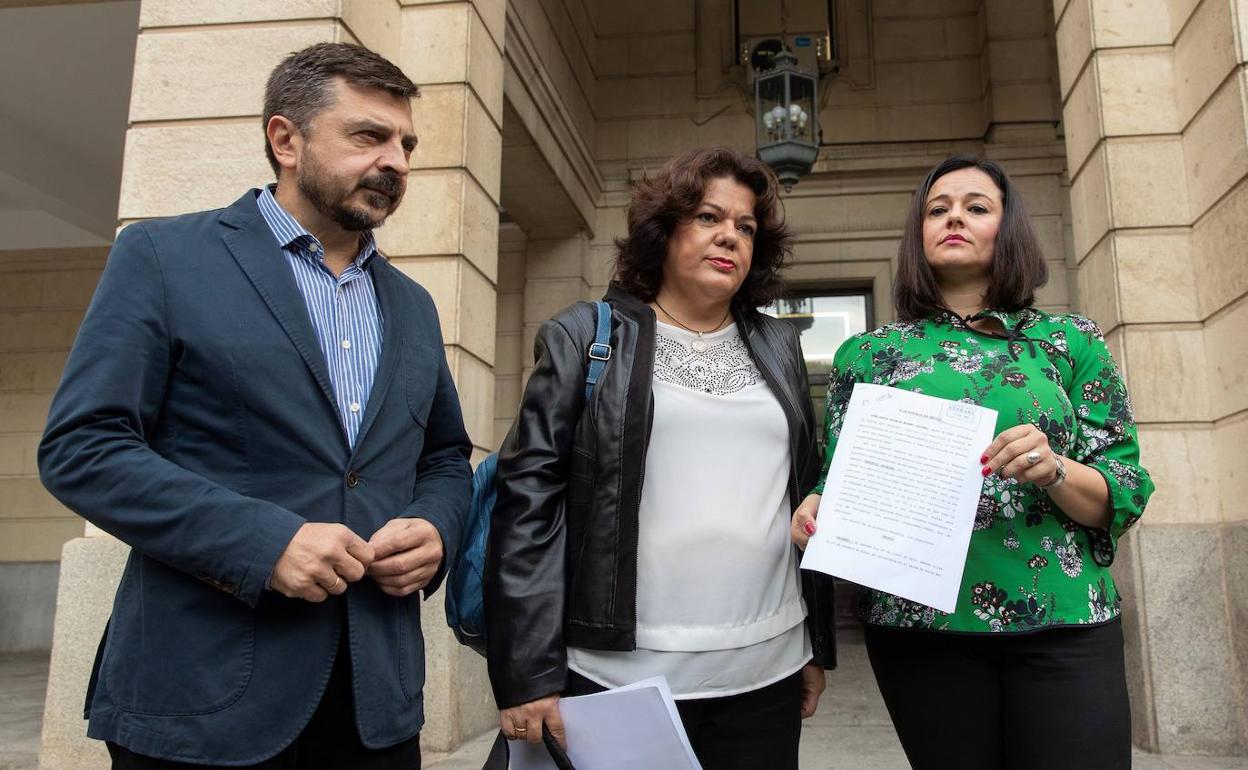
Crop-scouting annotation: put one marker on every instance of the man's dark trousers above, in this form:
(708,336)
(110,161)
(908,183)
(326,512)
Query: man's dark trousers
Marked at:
(196,422)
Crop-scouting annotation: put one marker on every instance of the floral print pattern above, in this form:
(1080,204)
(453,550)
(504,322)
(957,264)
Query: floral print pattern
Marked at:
(1028,565)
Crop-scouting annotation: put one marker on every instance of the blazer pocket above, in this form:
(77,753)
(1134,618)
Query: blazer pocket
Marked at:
(420,371)
(176,647)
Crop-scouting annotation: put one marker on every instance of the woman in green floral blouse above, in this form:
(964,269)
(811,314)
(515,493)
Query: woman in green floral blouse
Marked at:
(1028,670)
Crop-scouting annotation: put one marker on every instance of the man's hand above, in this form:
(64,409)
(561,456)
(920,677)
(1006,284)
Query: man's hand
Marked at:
(814,680)
(408,552)
(321,559)
(524,722)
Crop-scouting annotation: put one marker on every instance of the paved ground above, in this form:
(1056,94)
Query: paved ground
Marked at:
(850,732)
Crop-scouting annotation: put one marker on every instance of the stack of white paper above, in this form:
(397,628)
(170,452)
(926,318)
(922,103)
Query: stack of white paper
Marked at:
(630,727)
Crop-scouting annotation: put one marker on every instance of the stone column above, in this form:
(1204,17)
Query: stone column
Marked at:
(1154,104)
(195,142)
(446,237)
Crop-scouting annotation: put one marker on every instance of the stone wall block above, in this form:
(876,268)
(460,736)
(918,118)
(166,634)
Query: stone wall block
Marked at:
(480,237)
(1022,102)
(430,222)
(510,312)
(1220,252)
(1229,439)
(1137,92)
(1135,167)
(435,42)
(177,13)
(1195,700)
(1083,116)
(1121,25)
(555,258)
(1215,147)
(376,25)
(474,381)
(1009,19)
(909,39)
(485,68)
(1168,372)
(1074,42)
(438,118)
(1089,202)
(1183,462)
(484,155)
(1227,357)
(1204,54)
(1020,60)
(1155,279)
(214,72)
(464,298)
(227,159)
(543,297)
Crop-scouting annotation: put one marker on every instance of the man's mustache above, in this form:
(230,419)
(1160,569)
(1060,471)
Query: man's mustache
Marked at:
(387,184)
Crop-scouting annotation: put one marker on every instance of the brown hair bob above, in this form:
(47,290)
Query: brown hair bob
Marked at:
(672,195)
(1018,266)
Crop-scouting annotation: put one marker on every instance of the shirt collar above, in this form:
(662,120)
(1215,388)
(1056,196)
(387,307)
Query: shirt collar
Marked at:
(295,237)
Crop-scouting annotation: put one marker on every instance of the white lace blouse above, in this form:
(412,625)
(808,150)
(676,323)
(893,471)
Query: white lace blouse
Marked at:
(719,607)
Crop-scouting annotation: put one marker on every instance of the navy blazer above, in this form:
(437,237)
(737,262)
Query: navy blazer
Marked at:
(195,421)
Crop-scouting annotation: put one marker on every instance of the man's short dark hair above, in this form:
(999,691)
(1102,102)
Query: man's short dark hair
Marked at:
(302,85)
(1018,266)
(660,202)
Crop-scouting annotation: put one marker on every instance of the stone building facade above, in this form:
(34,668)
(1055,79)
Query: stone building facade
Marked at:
(1125,125)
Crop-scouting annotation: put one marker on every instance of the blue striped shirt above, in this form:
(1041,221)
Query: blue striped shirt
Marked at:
(343,309)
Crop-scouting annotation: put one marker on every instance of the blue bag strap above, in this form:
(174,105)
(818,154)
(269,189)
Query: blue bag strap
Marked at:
(600,350)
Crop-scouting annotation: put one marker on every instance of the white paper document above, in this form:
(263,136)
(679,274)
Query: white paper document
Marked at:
(900,498)
(621,729)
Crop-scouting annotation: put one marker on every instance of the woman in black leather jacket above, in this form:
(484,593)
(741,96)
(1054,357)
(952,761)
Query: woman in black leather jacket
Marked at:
(646,532)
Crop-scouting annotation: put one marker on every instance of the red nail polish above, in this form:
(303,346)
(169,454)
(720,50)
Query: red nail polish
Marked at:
(983,459)
(986,470)
(809,527)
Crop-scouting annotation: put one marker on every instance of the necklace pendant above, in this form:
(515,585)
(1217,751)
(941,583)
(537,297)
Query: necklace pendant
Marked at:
(699,345)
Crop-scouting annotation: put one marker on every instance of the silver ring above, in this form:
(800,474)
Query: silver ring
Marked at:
(1033,457)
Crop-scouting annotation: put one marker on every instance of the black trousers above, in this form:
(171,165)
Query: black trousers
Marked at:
(756,730)
(1049,699)
(329,742)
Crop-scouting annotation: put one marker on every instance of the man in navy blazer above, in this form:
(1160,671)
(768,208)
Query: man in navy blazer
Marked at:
(258,403)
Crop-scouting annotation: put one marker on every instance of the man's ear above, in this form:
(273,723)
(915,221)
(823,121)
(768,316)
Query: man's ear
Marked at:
(285,140)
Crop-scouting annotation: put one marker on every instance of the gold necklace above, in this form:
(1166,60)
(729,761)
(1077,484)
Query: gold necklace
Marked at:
(699,344)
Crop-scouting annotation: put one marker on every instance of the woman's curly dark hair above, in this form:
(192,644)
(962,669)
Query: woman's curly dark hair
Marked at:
(660,202)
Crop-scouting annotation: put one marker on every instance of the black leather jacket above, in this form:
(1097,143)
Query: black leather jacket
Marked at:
(561,568)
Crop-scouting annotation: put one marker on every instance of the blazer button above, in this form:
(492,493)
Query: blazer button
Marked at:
(353,478)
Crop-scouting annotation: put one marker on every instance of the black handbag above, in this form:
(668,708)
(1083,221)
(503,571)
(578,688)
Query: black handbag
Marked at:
(499,756)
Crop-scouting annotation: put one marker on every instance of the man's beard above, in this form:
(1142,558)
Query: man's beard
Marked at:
(383,190)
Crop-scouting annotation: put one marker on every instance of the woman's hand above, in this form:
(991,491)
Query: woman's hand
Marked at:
(814,681)
(802,525)
(524,722)
(1011,455)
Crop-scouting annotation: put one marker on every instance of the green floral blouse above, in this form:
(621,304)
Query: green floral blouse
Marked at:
(1028,567)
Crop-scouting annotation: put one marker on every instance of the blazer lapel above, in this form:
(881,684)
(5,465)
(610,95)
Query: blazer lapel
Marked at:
(394,317)
(252,243)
